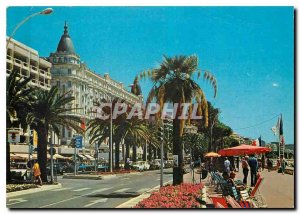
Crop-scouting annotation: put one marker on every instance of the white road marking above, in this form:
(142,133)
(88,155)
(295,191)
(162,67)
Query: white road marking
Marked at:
(143,190)
(69,199)
(82,189)
(17,201)
(102,200)
(61,189)
(121,190)
(102,190)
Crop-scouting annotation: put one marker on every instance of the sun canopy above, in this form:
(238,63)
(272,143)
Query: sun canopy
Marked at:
(211,155)
(243,150)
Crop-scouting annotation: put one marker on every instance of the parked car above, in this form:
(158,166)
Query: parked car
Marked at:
(139,166)
(155,164)
(168,163)
(20,171)
(58,169)
(103,167)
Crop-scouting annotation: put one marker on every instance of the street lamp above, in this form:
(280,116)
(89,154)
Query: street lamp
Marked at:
(43,12)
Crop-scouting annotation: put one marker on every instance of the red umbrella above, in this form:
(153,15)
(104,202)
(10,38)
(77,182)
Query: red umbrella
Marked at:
(243,150)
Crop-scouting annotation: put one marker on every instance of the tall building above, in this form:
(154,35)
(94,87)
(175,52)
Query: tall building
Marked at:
(27,63)
(69,73)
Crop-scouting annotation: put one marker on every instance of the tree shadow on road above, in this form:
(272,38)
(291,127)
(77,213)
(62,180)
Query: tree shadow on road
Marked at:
(115,195)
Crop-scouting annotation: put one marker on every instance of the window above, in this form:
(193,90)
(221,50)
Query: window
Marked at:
(64,88)
(54,60)
(58,83)
(65,59)
(70,134)
(69,84)
(69,71)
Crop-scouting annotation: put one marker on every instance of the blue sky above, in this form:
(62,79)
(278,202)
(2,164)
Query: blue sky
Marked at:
(250,50)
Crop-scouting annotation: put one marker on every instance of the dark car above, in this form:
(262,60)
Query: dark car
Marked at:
(58,169)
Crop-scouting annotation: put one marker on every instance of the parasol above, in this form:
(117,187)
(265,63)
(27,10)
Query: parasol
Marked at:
(243,150)
(211,155)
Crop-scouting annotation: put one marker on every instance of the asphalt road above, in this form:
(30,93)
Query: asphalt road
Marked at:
(79,193)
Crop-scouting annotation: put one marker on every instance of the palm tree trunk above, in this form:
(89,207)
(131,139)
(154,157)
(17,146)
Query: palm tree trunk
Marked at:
(134,153)
(8,174)
(117,155)
(42,151)
(177,150)
(144,152)
(150,152)
(127,155)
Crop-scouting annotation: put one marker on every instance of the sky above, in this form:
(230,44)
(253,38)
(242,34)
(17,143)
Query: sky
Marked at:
(250,51)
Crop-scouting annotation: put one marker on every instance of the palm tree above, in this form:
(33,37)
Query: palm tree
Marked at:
(133,131)
(173,83)
(51,111)
(18,103)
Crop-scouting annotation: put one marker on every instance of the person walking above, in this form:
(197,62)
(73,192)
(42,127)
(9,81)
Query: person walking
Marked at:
(269,164)
(245,167)
(37,172)
(227,165)
(253,164)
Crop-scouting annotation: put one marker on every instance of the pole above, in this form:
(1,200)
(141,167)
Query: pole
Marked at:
(110,144)
(45,12)
(51,164)
(75,160)
(161,162)
(96,158)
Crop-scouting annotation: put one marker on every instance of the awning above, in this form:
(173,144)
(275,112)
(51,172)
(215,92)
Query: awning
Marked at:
(19,155)
(81,156)
(89,157)
(58,156)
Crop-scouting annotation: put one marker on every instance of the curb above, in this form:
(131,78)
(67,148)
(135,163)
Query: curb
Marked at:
(134,201)
(82,177)
(34,190)
(98,177)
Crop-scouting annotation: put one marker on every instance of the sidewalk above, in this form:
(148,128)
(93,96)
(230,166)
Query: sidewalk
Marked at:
(277,189)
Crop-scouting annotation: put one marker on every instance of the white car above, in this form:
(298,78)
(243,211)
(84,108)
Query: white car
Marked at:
(137,166)
(140,165)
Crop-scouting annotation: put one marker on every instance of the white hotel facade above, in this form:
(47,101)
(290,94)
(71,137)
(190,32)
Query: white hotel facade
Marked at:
(69,73)
(64,69)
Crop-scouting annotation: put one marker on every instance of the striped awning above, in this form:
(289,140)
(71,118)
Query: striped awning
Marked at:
(58,156)
(89,157)
(83,157)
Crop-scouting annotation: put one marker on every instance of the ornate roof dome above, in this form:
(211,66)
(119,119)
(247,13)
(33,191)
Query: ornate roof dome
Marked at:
(65,44)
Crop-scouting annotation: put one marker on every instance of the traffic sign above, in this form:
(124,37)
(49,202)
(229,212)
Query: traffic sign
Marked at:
(13,136)
(52,150)
(78,141)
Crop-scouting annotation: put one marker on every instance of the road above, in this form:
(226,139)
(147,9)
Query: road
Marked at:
(79,193)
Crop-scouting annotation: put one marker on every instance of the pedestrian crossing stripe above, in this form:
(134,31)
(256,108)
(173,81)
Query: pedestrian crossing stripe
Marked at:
(82,189)
(121,190)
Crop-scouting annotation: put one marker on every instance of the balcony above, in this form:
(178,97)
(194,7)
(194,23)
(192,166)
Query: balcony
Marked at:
(9,58)
(34,69)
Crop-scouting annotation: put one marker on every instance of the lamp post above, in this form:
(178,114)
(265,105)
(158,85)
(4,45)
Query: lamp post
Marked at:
(110,131)
(43,12)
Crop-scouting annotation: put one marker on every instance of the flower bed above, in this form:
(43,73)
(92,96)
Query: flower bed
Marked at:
(18,187)
(180,196)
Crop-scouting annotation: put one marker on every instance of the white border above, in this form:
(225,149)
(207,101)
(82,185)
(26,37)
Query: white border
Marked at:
(4,4)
